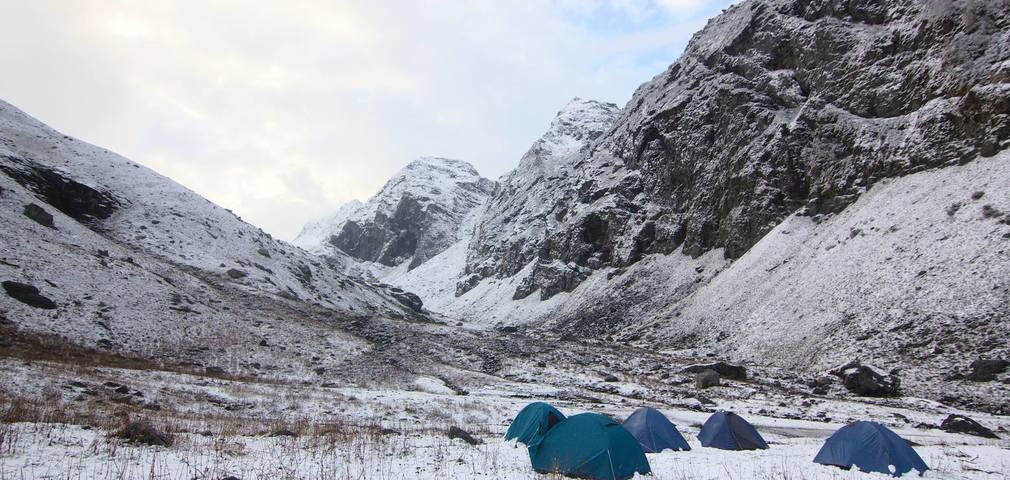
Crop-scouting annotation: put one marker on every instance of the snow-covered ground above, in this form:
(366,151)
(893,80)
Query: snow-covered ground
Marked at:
(292,430)
(55,451)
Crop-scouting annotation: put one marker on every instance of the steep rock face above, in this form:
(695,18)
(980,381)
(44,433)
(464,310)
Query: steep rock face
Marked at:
(414,217)
(532,202)
(775,107)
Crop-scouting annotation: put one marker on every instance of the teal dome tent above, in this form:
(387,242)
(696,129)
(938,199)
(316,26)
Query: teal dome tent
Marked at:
(590,446)
(532,423)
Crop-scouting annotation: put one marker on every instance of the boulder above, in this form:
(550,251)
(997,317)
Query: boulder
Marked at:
(212,370)
(408,299)
(551,278)
(983,370)
(735,372)
(706,378)
(236,273)
(27,294)
(865,381)
(955,423)
(39,215)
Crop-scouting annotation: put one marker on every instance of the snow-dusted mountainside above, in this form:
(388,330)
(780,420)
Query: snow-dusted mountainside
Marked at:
(532,201)
(776,106)
(786,136)
(137,264)
(415,216)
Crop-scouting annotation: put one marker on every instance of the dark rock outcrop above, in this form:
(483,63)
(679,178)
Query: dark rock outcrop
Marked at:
(983,370)
(706,379)
(76,200)
(408,299)
(236,273)
(961,424)
(868,382)
(551,278)
(39,215)
(735,372)
(27,294)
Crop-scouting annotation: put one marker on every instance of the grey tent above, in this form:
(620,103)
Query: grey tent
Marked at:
(728,431)
(871,447)
(654,431)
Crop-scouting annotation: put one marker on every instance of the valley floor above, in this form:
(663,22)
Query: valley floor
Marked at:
(59,422)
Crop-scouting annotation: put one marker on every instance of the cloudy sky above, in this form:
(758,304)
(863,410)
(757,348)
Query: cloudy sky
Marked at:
(284,110)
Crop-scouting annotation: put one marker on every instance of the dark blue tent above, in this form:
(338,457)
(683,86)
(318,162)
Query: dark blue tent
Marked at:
(532,423)
(654,431)
(871,447)
(589,445)
(726,430)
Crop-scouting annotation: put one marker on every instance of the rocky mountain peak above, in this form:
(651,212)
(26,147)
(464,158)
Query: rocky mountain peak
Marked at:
(414,217)
(579,122)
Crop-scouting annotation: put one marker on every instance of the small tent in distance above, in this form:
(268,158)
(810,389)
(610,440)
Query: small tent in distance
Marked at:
(589,445)
(729,431)
(532,423)
(871,447)
(654,431)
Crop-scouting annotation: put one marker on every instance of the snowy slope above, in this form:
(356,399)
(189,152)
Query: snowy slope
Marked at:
(414,217)
(140,265)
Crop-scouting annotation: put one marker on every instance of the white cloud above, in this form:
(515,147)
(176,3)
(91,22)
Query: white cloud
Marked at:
(283,110)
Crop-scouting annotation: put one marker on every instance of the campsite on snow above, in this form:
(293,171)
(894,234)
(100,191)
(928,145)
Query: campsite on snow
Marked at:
(786,256)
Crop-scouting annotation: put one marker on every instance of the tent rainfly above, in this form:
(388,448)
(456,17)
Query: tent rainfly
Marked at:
(654,431)
(871,447)
(532,423)
(728,431)
(589,445)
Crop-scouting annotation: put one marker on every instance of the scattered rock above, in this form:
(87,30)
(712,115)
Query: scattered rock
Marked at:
(734,372)
(706,379)
(212,370)
(704,400)
(983,370)
(610,378)
(142,432)
(264,252)
(236,273)
(27,294)
(410,300)
(955,423)
(456,432)
(39,215)
(865,381)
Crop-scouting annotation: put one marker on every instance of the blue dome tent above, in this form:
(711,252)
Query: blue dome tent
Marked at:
(728,431)
(871,447)
(654,431)
(592,446)
(532,423)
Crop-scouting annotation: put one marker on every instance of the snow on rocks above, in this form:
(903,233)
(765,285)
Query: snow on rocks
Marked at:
(415,216)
